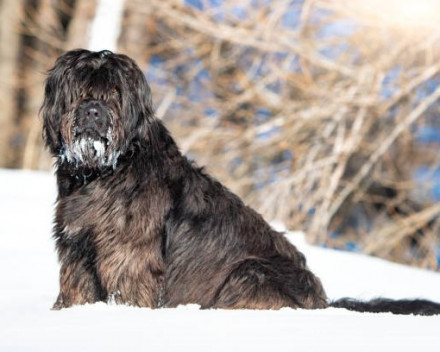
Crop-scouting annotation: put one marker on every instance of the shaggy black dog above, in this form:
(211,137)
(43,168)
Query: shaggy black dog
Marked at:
(139,224)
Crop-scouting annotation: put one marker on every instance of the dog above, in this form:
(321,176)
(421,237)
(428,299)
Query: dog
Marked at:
(137,223)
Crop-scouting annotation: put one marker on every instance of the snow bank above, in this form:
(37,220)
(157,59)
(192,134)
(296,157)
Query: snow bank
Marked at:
(29,284)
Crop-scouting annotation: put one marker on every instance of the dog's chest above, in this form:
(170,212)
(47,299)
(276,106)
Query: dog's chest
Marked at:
(114,209)
(121,225)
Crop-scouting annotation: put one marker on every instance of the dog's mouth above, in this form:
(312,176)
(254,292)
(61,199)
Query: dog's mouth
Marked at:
(92,140)
(90,133)
(91,149)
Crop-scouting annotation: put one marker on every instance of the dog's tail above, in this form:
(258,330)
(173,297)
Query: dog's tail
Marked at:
(385,305)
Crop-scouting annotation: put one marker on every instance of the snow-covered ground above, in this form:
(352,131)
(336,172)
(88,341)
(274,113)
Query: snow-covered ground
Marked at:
(29,284)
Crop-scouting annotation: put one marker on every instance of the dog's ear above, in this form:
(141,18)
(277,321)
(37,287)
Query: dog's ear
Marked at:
(56,93)
(138,105)
(146,113)
(52,109)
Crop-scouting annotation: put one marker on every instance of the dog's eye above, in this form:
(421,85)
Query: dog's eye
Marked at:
(115,91)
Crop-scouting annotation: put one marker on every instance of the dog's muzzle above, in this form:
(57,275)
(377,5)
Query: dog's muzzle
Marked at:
(92,136)
(92,121)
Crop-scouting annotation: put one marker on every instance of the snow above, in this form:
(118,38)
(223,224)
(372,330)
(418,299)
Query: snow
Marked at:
(29,284)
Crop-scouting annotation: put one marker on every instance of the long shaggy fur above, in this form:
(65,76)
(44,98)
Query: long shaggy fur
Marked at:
(136,222)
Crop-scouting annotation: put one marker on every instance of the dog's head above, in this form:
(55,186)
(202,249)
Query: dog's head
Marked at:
(95,105)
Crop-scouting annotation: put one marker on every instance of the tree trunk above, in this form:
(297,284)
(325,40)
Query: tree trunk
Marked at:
(9,48)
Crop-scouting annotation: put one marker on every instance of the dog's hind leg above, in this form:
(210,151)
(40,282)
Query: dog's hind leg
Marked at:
(270,283)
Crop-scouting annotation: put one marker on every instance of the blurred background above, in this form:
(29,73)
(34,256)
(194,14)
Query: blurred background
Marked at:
(321,114)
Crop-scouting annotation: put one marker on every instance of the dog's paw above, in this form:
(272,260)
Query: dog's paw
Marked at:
(59,303)
(114,298)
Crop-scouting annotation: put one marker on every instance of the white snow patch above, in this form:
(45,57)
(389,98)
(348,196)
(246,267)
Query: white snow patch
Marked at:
(29,285)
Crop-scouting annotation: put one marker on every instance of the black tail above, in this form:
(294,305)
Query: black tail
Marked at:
(385,305)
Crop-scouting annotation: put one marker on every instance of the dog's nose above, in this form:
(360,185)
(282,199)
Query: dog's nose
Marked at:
(92,119)
(93,112)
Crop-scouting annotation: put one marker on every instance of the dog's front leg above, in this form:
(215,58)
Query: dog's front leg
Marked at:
(79,284)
